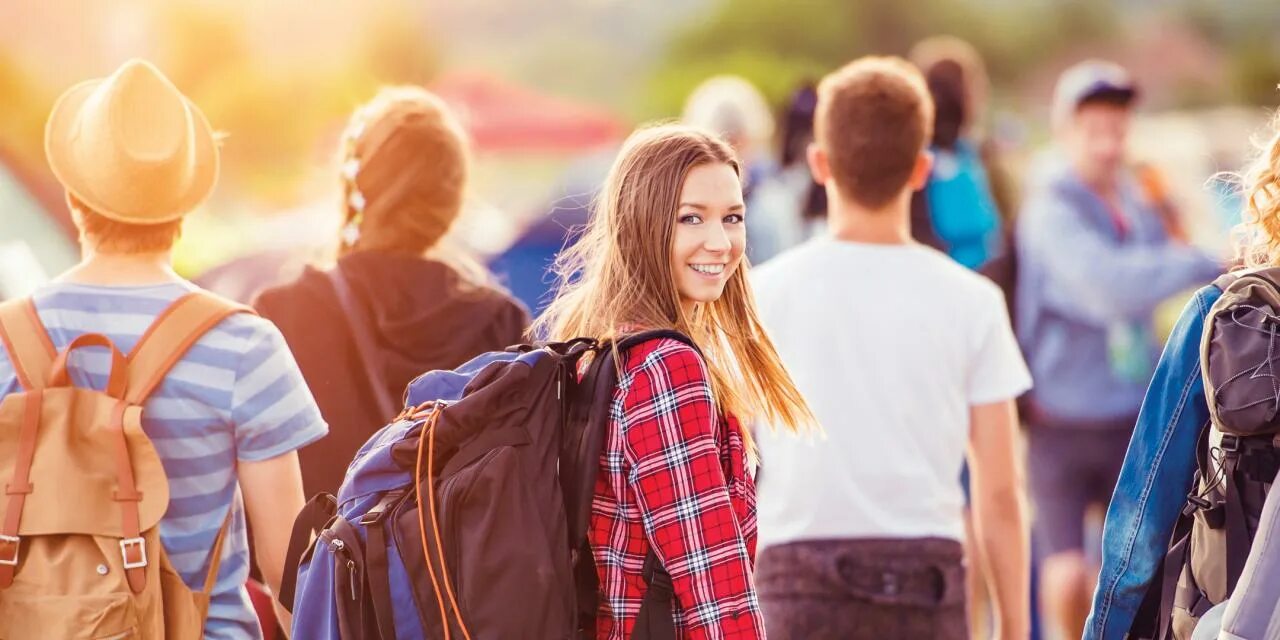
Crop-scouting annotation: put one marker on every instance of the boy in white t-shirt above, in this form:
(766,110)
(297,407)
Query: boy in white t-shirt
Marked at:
(908,360)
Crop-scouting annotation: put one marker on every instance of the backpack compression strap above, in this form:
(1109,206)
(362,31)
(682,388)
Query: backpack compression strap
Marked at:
(170,336)
(28,345)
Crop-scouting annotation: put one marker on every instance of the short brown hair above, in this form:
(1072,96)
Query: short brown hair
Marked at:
(874,118)
(110,236)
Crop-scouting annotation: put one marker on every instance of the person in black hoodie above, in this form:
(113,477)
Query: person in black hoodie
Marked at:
(392,307)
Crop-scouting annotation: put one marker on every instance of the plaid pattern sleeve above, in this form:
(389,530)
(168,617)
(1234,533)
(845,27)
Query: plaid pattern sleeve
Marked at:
(673,480)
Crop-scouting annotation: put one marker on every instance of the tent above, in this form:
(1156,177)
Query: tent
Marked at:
(504,117)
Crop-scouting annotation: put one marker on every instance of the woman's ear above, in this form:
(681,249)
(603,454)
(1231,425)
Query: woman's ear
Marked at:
(819,163)
(920,172)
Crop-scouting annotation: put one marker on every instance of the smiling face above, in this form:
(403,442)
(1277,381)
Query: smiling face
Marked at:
(710,233)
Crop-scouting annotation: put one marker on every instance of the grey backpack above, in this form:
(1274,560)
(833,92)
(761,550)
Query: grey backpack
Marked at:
(1238,452)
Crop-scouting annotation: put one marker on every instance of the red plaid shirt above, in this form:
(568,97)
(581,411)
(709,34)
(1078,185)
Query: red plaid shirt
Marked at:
(673,475)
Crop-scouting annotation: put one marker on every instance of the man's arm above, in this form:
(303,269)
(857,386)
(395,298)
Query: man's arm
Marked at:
(273,497)
(999,511)
(1099,282)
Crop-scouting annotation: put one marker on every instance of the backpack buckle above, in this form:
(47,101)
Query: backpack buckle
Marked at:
(9,550)
(1230,443)
(1194,503)
(138,548)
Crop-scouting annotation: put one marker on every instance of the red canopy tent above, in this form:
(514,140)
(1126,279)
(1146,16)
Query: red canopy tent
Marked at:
(502,116)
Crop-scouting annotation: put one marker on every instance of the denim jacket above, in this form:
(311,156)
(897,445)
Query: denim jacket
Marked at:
(1155,478)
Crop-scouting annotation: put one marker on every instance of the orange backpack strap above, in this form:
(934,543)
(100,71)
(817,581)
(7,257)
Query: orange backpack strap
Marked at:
(215,555)
(28,345)
(19,488)
(170,336)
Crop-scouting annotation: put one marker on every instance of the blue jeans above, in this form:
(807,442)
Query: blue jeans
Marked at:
(1155,478)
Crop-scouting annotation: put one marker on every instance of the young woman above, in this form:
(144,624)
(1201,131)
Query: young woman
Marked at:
(1152,490)
(405,310)
(664,250)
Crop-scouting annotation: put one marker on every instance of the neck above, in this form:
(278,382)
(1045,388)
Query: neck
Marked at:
(852,222)
(1102,183)
(688,306)
(122,268)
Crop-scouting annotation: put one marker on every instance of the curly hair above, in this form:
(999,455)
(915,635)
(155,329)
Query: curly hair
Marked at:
(1258,235)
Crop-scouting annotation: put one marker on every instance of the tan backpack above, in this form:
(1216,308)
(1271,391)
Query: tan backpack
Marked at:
(1237,454)
(80,552)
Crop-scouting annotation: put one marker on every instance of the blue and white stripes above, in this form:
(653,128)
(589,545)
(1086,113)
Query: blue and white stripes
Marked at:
(236,395)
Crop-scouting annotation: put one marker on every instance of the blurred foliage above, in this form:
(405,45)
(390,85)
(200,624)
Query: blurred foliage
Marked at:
(1246,30)
(273,148)
(281,113)
(21,127)
(776,45)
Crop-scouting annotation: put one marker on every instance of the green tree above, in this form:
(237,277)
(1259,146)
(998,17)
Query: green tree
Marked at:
(778,44)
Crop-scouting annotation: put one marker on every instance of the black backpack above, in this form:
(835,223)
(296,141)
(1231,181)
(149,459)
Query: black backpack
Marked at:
(467,516)
(1237,456)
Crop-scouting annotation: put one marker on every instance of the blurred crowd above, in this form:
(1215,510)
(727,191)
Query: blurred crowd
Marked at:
(1095,249)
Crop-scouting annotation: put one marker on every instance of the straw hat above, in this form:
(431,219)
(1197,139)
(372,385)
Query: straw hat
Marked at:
(132,147)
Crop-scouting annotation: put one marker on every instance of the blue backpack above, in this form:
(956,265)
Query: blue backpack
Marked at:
(962,210)
(467,516)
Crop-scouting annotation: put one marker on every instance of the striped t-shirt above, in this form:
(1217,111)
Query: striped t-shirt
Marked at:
(237,394)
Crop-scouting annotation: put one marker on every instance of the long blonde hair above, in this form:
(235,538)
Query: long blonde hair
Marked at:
(1258,235)
(618,276)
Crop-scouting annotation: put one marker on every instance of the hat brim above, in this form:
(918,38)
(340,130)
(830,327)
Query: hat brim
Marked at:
(1109,94)
(59,139)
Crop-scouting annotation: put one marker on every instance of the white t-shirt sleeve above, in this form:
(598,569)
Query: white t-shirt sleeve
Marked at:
(997,370)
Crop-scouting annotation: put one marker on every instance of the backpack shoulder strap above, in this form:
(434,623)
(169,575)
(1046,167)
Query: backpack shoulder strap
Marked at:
(631,340)
(1269,275)
(170,336)
(362,333)
(654,621)
(25,340)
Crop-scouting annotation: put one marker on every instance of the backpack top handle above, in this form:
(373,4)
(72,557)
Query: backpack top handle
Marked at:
(116,381)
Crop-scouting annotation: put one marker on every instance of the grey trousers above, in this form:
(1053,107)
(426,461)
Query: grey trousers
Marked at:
(911,589)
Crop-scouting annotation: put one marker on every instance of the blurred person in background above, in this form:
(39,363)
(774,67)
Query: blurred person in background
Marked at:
(963,210)
(1178,472)
(788,207)
(733,108)
(860,532)
(135,157)
(396,304)
(1094,260)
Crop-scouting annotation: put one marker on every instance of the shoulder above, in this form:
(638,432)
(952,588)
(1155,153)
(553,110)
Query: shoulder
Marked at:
(1050,187)
(662,363)
(957,291)
(783,266)
(664,387)
(282,300)
(659,353)
(245,336)
(1204,298)
(952,275)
